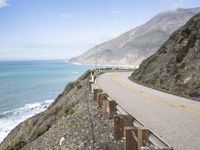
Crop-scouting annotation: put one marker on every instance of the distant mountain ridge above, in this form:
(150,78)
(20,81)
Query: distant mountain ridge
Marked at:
(137,44)
(175,67)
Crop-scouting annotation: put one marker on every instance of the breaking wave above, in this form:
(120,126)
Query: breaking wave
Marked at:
(10,119)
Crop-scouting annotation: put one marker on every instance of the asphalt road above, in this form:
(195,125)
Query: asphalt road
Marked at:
(173,118)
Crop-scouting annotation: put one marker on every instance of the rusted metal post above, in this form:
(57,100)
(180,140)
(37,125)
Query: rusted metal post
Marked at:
(120,122)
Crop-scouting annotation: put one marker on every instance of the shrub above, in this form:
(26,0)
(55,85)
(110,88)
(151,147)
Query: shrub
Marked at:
(69,110)
(197,85)
(16,146)
(40,131)
(194,94)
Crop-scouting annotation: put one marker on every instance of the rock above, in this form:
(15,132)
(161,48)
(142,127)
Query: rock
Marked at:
(187,79)
(111,136)
(61,141)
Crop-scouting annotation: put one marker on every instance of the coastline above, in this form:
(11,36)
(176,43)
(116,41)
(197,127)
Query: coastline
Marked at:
(106,65)
(22,98)
(72,121)
(10,119)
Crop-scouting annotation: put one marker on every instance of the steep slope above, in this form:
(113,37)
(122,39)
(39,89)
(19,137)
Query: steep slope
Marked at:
(175,67)
(72,121)
(34,127)
(135,45)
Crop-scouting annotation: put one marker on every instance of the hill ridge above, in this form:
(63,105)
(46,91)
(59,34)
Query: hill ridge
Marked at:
(133,46)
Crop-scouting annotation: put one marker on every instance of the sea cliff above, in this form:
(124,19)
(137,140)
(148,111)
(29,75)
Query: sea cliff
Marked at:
(72,121)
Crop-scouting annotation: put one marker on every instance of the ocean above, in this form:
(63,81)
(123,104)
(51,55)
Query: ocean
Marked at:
(29,87)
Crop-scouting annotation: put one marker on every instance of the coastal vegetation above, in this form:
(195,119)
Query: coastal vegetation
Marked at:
(175,67)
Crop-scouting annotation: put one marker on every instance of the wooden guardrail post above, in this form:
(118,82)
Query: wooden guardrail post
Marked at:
(101,97)
(96,92)
(130,143)
(112,109)
(135,138)
(120,122)
(108,109)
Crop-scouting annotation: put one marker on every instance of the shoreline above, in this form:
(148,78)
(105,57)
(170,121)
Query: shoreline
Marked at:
(22,99)
(66,124)
(12,118)
(106,65)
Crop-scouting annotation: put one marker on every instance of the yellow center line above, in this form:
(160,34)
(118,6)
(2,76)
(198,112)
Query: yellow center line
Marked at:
(153,97)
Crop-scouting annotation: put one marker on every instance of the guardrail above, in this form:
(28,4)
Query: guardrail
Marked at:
(136,136)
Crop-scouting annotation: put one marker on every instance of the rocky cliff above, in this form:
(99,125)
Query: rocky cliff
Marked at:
(72,121)
(175,67)
(135,45)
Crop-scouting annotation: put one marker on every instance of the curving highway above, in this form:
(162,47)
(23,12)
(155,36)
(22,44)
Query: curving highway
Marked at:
(173,118)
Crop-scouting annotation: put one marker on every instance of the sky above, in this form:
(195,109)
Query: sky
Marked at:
(61,29)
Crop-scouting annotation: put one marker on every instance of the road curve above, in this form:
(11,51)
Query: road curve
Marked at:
(173,118)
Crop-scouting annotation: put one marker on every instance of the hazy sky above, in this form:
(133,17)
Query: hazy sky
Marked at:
(60,29)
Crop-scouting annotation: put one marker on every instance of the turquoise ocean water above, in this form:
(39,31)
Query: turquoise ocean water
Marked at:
(28,87)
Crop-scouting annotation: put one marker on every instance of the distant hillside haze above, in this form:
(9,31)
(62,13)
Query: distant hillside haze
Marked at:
(175,67)
(132,47)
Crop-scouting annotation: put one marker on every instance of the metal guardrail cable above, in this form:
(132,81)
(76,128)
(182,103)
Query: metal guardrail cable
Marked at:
(137,124)
(157,141)
(121,110)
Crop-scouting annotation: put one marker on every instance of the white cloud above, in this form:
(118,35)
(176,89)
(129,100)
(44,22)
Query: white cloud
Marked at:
(177,4)
(67,15)
(172,4)
(3,3)
(116,11)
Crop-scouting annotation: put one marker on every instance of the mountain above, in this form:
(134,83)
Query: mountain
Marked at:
(175,67)
(135,45)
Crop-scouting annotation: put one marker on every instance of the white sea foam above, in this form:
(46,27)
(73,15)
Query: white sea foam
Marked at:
(10,119)
(74,63)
